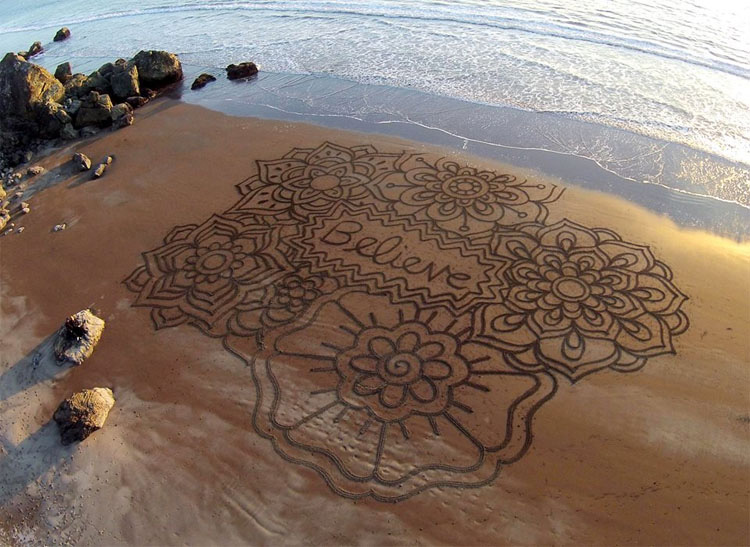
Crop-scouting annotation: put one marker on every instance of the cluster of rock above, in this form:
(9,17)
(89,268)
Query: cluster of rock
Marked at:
(85,411)
(15,204)
(234,72)
(35,104)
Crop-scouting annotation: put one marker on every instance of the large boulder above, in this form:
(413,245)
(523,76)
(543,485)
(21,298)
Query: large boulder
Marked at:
(157,68)
(62,34)
(124,81)
(96,109)
(23,86)
(83,413)
(77,337)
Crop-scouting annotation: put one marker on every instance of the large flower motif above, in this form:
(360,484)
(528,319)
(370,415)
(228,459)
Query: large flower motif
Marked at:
(387,400)
(204,274)
(581,300)
(401,370)
(464,199)
(307,181)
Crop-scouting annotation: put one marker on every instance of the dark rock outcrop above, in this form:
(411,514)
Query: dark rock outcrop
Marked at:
(122,115)
(124,81)
(157,68)
(28,95)
(77,337)
(136,102)
(76,86)
(242,70)
(96,109)
(62,34)
(64,72)
(83,413)
(69,133)
(51,118)
(202,80)
(98,81)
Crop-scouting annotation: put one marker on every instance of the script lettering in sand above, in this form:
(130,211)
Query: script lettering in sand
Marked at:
(410,261)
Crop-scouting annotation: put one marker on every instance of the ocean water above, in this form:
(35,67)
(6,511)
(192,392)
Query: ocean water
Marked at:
(674,71)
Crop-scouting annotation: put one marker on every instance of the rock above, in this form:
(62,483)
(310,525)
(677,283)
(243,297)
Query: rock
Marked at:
(242,70)
(108,159)
(157,68)
(64,72)
(35,49)
(35,171)
(23,87)
(124,121)
(83,413)
(51,118)
(4,218)
(24,55)
(98,81)
(148,93)
(77,86)
(62,34)
(21,229)
(95,110)
(106,69)
(72,106)
(2,193)
(99,171)
(120,111)
(26,210)
(58,227)
(89,131)
(69,133)
(202,80)
(124,81)
(81,161)
(136,102)
(77,337)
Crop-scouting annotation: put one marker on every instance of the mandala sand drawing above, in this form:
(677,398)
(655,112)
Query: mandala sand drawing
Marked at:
(407,317)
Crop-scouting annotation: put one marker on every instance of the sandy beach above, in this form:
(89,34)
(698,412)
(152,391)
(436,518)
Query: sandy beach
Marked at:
(281,379)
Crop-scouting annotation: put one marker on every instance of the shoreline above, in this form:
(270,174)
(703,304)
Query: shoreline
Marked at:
(689,186)
(564,126)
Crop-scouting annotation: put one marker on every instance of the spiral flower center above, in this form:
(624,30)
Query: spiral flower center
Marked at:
(401,368)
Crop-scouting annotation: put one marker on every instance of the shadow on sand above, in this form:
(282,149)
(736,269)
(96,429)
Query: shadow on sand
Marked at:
(32,458)
(39,365)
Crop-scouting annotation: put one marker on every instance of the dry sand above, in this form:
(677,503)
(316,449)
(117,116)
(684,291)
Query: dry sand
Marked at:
(657,455)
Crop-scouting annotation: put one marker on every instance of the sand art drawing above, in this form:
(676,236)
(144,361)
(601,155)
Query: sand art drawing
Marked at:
(409,316)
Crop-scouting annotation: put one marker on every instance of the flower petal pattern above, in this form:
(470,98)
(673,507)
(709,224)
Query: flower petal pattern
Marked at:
(580,300)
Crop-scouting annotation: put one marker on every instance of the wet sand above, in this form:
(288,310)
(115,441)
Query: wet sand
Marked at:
(625,443)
